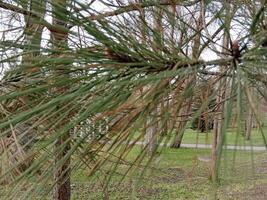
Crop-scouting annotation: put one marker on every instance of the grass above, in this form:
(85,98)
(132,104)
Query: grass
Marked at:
(192,136)
(178,174)
(232,138)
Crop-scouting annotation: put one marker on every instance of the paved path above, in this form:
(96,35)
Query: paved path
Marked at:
(230,147)
(208,146)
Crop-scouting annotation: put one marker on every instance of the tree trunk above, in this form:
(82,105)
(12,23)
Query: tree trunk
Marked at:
(181,125)
(152,119)
(249,123)
(150,125)
(151,132)
(164,107)
(33,33)
(218,118)
(217,130)
(184,112)
(62,189)
(217,127)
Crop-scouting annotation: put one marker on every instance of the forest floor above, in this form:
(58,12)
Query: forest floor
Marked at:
(178,174)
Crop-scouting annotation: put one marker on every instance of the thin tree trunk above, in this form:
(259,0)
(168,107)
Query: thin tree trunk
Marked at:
(152,119)
(217,130)
(164,107)
(62,189)
(218,118)
(150,125)
(249,123)
(218,123)
(185,110)
(181,126)
(33,34)
(151,132)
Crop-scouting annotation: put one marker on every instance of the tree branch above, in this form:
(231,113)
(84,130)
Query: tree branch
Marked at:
(121,10)
(138,6)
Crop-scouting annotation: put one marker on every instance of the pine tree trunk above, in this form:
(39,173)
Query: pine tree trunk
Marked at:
(33,34)
(62,189)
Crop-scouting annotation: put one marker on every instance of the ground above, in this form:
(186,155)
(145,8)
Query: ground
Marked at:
(178,174)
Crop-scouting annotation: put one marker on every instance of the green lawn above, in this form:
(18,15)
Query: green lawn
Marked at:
(176,174)
(232,138)
(179,174)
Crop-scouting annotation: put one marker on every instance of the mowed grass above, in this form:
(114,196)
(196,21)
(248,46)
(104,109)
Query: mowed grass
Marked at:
(232,138)
(178,174)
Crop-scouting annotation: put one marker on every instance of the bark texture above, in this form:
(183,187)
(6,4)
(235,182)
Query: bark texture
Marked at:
(62,189)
